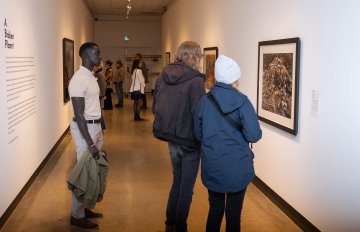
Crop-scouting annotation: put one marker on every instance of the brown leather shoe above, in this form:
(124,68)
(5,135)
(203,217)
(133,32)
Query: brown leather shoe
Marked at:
(91,214)
(83,223)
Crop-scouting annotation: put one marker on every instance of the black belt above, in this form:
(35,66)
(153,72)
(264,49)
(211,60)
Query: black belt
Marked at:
(94,121)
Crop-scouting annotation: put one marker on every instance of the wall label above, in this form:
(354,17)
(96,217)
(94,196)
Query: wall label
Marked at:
(9,38)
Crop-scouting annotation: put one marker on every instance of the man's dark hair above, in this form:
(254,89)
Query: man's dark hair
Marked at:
(86,46)
(109,62)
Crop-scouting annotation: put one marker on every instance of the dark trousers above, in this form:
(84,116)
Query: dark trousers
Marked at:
(119,92)
(108,101)
(185,165)
(231,204)
(144,103)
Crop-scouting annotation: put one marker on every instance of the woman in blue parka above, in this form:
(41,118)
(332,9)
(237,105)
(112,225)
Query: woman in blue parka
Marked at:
(226,158)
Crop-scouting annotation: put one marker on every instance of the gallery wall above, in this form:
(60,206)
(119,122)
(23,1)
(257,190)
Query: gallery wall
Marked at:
(316,171)
(145,37)
(33,115)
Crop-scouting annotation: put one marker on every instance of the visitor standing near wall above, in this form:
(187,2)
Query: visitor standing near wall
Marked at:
(109,81)
(99,74)
(137,88)
(119,77)
(177,92)
(145,72)
(225,123)
(85,128)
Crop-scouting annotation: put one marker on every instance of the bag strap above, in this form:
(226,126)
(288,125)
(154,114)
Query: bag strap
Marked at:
(227,117)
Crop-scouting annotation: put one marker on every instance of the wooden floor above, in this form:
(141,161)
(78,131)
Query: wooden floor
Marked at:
(138,184)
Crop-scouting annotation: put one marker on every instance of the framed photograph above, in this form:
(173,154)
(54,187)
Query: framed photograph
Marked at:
(278,83)
(68,66)
(167,57)
(210,55)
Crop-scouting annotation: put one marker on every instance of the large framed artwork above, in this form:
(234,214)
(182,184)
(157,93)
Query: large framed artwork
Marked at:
(278,83)
(210,55)
(68,66)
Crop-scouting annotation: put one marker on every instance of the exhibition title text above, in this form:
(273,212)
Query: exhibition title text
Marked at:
(9,38)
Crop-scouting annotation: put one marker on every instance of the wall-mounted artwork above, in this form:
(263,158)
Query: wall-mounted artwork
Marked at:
(278,83)
(167,57)
(210,55)
(68,66)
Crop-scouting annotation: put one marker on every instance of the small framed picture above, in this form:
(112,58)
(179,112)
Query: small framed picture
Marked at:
(278,83)
(68,66)
(210,56)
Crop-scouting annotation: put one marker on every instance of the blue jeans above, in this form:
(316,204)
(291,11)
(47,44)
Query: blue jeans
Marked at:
(185,165)
(231,204)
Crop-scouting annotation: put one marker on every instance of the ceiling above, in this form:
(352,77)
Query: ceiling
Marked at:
(119,7)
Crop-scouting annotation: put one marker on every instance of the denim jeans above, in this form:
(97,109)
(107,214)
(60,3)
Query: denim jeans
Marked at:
(185,165)
(232,204)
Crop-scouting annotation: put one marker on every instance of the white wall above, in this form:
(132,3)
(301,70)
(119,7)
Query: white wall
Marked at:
(145,38)
(317,171)
(38,27)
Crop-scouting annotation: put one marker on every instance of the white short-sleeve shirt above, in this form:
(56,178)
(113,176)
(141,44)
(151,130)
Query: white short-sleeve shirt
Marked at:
(84,84)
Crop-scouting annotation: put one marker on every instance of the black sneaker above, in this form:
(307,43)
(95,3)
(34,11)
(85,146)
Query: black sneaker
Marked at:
(91,214)
(83,223)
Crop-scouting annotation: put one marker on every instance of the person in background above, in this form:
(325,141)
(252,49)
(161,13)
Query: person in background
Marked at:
(145,72)
(137,88)
(226,158)
(177,92)
(109,79)
(119,77)
(85,128)
(99,74)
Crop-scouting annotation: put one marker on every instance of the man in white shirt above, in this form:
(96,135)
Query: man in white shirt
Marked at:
(85,127)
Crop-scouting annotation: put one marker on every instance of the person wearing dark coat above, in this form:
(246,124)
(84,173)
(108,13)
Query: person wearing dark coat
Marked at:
(177,92)
(226,158)
(109,81)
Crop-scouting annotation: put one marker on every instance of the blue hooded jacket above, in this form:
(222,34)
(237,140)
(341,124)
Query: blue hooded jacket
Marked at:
(226,158)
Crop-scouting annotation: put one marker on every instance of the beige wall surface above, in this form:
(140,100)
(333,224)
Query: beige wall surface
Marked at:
(316,171)
(145,37)
(38,28)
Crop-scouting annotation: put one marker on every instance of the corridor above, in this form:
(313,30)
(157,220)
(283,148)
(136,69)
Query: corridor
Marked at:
(137,187)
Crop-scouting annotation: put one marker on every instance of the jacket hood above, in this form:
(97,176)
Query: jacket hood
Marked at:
(227,97)
(178,72)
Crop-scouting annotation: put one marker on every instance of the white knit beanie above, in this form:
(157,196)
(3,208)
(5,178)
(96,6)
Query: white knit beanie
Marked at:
(226,70)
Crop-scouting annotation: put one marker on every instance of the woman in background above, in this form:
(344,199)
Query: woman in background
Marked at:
(137,88)
(109,78)
(99,74)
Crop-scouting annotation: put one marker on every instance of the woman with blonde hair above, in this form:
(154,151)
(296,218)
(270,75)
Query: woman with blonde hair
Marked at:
(177,92)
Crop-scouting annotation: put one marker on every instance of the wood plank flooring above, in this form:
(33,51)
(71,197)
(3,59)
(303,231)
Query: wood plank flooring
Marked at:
(138,184)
